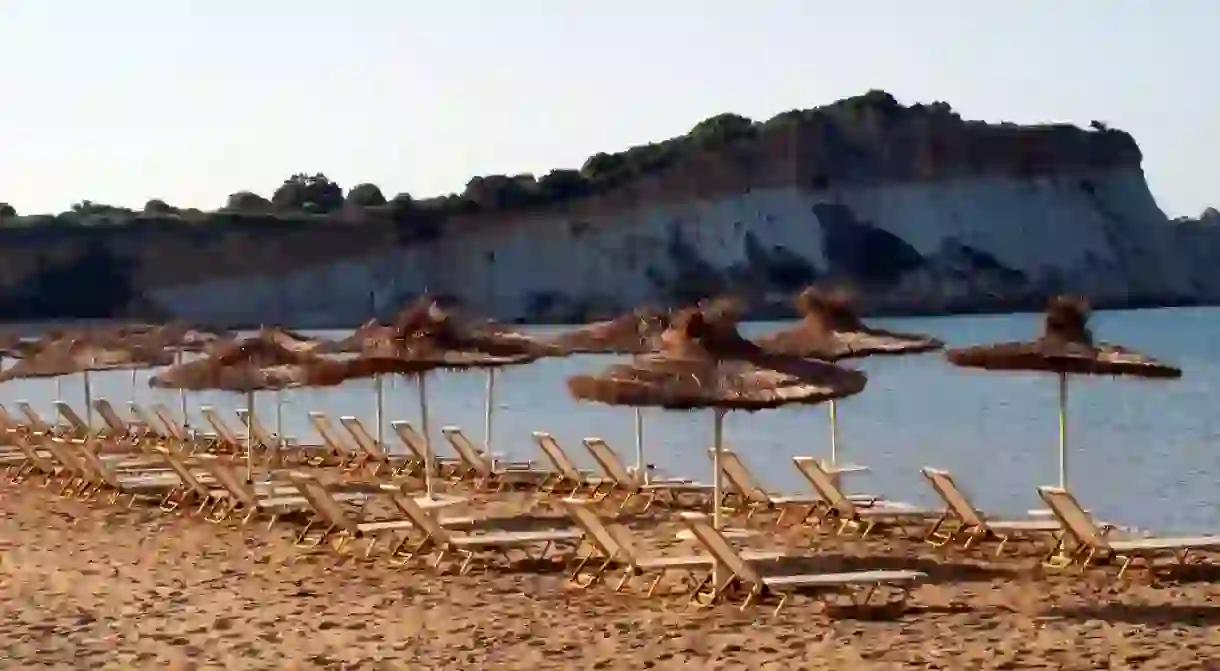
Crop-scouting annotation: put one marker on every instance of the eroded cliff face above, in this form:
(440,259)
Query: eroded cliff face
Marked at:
(920,209)
(941,245)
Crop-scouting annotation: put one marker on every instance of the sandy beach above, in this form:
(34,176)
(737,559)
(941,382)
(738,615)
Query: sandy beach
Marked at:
(87,585)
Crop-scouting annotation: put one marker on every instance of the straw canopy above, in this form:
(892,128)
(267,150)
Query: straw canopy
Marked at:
(183,337)
(427,337)
(1066,347)
(831,330)
(261,362)
(68,356)
(636,332)
(705,363)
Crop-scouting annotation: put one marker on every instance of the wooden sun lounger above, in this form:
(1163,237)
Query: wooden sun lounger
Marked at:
(1092,542)
(224,434)
(862,515)
(35,421)
(613,544)
(566,474)
(273,499)
(372,451)
(192,486)
(340,449)
(29,460)
(77,426)
(435,537)
(759,584)
(97,474)
(331,518)
(149,420)
(115,426)
(665,491)
(175,430)
(476,465)
(414,442)
(751,495)
(961,520)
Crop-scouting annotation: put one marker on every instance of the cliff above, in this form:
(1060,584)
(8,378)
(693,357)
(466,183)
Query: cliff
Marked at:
(921,210)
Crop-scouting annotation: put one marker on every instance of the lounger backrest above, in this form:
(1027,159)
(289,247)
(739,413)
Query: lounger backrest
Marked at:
(609,461)
(222,430)
(824,485)
(954,497)
(555,454)
(411,439)
(6,421)
(739,476)
(228,478)
(597,533)
(32,416)
(66,412)
(41,463)
(169,422)
(361,435)
(260,435)
(151,421)
(321,424)
(719,546)
(184,474)
(83,450)
(321,501)
(69,460)
(466,450)
(419,517)
(1072,516)
(110,416)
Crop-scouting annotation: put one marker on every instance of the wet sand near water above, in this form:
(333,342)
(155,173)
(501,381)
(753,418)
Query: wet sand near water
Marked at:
(84,585)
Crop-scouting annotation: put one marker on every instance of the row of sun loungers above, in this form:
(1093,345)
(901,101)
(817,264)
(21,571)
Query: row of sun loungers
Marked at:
(146,459)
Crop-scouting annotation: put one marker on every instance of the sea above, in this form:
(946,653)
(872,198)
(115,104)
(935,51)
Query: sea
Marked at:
(1141,453)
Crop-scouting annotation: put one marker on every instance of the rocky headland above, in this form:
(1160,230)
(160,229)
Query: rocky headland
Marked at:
(921,210)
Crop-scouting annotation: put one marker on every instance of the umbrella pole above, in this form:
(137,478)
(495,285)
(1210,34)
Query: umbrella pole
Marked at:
(133,385)
(1063,437)
(834,432)
(249,436)
(279,428)
(88,401)
(379,387)
(641,471)
(717,447)
(59,396)
(186,420)
(487,412)
(423,425)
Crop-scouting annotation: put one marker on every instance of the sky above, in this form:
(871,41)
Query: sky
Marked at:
(190,101)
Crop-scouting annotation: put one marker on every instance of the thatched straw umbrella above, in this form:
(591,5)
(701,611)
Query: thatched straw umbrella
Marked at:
(1065,348)
(426,338)
(636,332)
(831,330)
(258,363)
(704,363)
(87,353)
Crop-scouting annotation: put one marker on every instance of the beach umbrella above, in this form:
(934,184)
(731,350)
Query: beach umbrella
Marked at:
(366,333)
(831,330)
(704,363)
(1065,348)
(262,362)
(85,353)
(427,338)
(636,332)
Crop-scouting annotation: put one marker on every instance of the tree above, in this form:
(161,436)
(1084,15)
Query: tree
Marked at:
(7,211)
(365,195)
(158,206)
(1099,125)
(247,201)
(313,193)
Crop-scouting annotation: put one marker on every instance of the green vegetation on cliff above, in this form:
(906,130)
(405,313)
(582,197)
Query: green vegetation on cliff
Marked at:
(864,139)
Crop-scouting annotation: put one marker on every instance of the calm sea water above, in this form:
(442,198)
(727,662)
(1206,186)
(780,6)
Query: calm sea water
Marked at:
(1143,453)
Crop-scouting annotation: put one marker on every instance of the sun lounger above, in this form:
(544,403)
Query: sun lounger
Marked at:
(758,584)
(613,544)
(335,442)
(76,426)
(477,466)
(149,420)
(174,429)
(435,537)
(751,495)
(192,487)
(98,474)
(566,474)
(371,450)
(29,460)
(227,437)
(35,421)
(115,426)
(330,517)
(414,442)
(961,520)
(1092,542)
(658,490)
(273,499)
(856,514)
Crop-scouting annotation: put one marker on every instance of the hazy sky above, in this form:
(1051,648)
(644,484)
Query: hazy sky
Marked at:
(189,101)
